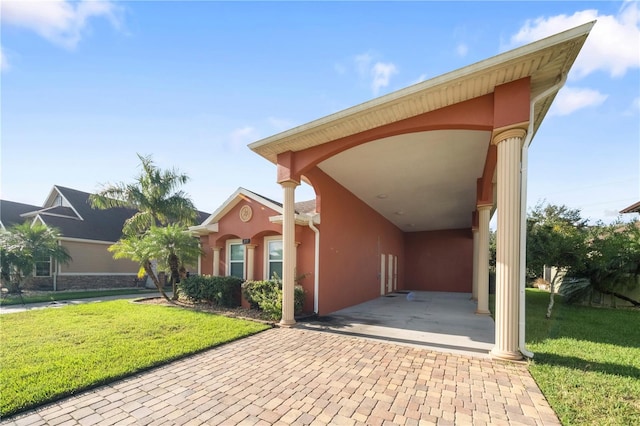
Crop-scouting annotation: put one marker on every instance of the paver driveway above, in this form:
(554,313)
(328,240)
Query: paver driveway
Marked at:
(300,376)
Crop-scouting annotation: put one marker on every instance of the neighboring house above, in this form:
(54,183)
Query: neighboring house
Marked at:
(405,187)
(633,208)
(85,232)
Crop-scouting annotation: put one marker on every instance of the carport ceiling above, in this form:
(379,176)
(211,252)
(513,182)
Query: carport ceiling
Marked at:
(420,181)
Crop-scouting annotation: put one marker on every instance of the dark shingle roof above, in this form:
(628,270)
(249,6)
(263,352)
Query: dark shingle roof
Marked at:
(10,212)
(101,225)
(78,221)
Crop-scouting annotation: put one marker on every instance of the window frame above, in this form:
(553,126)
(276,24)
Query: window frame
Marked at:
(267,261)
(228,261)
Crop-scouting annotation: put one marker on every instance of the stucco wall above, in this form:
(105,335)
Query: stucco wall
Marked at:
(94,258)
(439,260)
(352,238)
(256,229)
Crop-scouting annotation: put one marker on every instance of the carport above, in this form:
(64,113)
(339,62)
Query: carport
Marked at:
(421,167)
(439,321)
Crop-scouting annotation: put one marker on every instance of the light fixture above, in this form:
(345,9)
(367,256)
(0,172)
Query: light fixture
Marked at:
(399,212)
(382,196)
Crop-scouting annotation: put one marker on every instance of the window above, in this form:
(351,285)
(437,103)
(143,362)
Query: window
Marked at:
(43,266)
(235,258)
(273,257)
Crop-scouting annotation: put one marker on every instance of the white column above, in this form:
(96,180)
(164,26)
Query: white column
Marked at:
(483,259)
(251,249)
(474,286)
(508,243)
(288,253)
(216,261)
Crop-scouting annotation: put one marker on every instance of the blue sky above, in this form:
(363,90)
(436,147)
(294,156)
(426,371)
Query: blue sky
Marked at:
(87,85)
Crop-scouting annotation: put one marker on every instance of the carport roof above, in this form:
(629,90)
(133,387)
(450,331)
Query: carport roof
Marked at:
(544,61)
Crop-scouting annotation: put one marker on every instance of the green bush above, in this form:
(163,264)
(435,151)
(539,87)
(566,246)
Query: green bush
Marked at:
(267,296)
(222,291)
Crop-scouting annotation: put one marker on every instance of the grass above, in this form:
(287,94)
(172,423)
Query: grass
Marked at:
(52,296)
(587,361)
(51,353)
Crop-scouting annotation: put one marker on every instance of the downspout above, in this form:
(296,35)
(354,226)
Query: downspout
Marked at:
(316,263)
(523,210)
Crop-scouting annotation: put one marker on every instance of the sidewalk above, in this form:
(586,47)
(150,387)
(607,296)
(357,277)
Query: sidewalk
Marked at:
(11,309)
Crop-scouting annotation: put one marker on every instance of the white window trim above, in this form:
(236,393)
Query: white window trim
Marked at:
(265,264)
(35,268)
(229,243)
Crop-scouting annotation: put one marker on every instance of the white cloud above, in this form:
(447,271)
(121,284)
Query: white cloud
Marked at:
(612,46)
(571,99)
(377,74)
(462,49)
(280,124)
(363,63)
(241,137)
(59,21)
(381,73)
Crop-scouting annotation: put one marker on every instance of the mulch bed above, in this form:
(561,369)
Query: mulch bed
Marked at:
(241,313)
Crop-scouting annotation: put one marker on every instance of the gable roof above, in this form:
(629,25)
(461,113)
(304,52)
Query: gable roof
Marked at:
(79,220)
(543,61)
(210,224)
(70,211)
(633,208)
(11,213)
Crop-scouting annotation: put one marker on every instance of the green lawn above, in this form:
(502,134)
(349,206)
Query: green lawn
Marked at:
(50,353)
(52,296)
(587,361)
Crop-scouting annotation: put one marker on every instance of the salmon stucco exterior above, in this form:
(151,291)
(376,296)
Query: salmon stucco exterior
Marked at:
(405,186)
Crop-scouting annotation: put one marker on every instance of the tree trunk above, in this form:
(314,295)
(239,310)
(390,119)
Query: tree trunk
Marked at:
(149,270)
(635,303)
(174,265)
(552,287)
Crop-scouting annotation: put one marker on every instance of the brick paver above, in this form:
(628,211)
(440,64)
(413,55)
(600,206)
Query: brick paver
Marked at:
(304,377)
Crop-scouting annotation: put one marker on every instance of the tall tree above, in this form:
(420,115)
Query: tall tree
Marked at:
(612,262)
(156,196)
(555,237)
(171,246)
(174,248)
(24,244)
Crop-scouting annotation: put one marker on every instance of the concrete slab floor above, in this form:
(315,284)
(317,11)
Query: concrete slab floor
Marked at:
(439,321)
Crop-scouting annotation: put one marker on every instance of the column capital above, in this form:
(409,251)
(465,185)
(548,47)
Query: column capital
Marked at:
(484,206)
(251,246)
(503,135)
(290,183)
(216,248)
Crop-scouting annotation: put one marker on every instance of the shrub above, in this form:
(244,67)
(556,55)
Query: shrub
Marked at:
(267,296)
(222,291)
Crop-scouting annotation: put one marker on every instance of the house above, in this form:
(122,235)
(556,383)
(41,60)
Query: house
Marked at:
(633,208)
(405,187)
(85,232)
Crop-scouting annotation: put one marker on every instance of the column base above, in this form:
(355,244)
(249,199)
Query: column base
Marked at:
(482,312)
(287,323)
(506,355)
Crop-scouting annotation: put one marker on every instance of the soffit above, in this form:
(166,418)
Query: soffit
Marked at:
(544,61)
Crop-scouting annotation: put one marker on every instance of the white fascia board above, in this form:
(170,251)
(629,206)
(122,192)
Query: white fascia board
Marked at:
(55,188)
(84,240)
(233,200)
(300,219)
(204,229)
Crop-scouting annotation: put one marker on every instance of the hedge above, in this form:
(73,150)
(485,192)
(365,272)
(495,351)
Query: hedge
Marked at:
(267,296)
(222,291)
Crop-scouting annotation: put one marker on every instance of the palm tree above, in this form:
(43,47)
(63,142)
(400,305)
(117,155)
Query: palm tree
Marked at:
(155,195)
(172,246)
(21,245)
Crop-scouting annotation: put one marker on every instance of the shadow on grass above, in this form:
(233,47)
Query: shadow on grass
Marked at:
(580,364)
